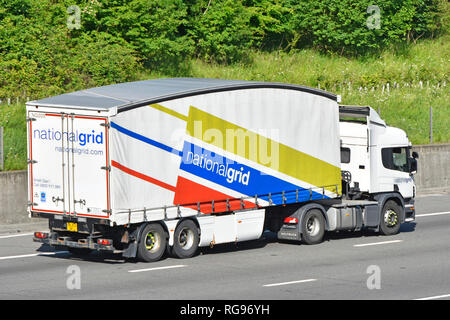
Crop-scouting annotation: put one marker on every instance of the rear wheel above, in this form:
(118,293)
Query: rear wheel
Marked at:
(390,218)
(186,239)
(152,243)
(313,227)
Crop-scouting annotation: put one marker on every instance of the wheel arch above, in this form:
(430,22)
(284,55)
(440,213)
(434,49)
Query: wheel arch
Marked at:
(382,198)
(135,233)
(301,212)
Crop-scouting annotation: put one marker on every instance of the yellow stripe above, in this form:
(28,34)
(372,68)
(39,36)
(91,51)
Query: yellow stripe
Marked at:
(257,148)
(169,111)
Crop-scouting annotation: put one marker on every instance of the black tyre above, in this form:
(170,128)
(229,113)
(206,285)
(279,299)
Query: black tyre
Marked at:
(152,243)
(313,227)
(390,218)
(186,239)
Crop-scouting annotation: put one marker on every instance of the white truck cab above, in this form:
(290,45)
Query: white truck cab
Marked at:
(376,159)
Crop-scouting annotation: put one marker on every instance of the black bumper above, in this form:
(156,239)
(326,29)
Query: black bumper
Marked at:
(410,210)
(68,243)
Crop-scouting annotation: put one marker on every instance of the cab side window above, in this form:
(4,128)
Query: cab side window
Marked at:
(345,155)
(395,159)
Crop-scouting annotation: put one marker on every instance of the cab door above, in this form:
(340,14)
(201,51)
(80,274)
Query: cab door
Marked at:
(355,155)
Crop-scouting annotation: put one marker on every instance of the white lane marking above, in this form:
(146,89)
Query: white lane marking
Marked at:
(33,255)
(432,214)
(431,195)
(435,297)
(376,243)
(16,235)
(290,282)
(158,268)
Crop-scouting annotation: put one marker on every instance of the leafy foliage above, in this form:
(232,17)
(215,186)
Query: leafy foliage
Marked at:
(358,27)
(311,42)
(124,37)
(42,57)
(219,32)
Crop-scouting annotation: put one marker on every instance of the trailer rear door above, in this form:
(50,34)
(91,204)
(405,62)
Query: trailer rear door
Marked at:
(69,164)
(89,168)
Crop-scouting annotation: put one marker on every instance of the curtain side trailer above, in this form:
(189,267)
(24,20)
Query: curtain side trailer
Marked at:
(170,165)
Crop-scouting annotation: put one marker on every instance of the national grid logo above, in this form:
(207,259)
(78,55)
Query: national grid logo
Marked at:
(214,163)
(77,137)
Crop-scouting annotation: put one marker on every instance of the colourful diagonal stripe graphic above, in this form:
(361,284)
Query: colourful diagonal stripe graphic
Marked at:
(246,144)
(234,176)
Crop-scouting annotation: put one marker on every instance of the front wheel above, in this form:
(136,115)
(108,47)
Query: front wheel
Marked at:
(152,243)
(390,218)
(313,227)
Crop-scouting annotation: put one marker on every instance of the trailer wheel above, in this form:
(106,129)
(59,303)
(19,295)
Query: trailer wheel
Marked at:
(313,227)
(186,239)
(152,243)
(390,218)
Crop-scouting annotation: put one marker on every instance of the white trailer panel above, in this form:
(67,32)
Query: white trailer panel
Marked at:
(170,148)
(225,145)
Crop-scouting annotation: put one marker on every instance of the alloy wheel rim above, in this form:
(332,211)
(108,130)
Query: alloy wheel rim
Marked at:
(313,226)
(152,241)
(186,238)
(390,218)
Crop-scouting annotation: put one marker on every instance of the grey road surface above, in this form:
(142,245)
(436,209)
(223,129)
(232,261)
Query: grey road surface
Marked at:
(415,264)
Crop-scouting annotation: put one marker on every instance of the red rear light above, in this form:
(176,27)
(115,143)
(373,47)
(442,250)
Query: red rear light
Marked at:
(104,242)
(41,235)
(290,220)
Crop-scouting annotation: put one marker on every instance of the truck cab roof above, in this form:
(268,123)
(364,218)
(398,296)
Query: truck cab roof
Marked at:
(367,113)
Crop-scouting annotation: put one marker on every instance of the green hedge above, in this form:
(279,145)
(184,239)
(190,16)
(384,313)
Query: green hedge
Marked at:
(119,39)
(330,43)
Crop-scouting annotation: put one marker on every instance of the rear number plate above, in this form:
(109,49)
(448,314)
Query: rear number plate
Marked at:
(72,226)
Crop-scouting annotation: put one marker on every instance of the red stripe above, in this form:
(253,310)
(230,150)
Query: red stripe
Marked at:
(42,210)
(188,192)
(191,192)
(142,176)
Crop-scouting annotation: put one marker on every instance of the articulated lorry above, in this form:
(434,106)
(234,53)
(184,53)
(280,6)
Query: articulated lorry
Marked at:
(171,165)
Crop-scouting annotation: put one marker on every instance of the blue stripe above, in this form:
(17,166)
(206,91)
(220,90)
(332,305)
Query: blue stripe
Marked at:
(241,178)
(145,139)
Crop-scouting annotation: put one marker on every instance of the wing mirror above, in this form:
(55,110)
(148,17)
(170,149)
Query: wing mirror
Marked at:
(413,165)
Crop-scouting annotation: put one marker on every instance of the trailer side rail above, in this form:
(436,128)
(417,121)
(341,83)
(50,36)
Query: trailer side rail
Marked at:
(285,195)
